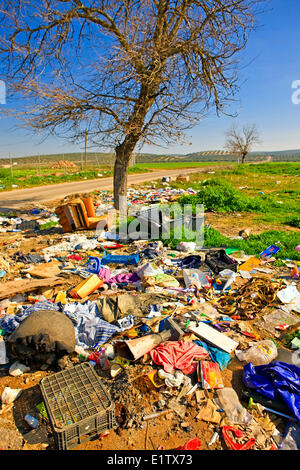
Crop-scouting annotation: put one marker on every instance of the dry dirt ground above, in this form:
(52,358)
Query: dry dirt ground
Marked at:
(132,391)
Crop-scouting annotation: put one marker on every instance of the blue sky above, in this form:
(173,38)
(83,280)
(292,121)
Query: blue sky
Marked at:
(270,65)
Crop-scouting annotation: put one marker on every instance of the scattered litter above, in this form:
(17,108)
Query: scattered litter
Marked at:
(139,336)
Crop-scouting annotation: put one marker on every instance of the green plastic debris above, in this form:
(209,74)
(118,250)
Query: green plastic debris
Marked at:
(42,410)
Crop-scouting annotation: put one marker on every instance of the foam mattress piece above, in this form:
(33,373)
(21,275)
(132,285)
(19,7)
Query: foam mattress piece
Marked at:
(214,337)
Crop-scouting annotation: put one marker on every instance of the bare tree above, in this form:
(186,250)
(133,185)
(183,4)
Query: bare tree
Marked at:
(241,142)
(128,72)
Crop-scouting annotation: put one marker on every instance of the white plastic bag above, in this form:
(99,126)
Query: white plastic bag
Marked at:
(17,369)
(186,246)
(289,294)
(195,278)
(3,357)
(173,380)
(149,269)
(259,354)
(9,395)
(229,402)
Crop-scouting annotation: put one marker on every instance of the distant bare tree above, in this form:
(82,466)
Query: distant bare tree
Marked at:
(240,142)
(128,72)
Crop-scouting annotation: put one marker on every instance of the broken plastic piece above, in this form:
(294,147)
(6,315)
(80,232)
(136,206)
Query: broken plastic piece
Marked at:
(239,434)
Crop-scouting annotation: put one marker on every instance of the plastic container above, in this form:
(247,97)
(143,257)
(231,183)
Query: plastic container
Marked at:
(33,422)
(77,404)
(195,278)
(94,264)
(261,353)
(86,287)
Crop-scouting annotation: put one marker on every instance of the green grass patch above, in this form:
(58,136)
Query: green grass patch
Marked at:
(293,221)
(272,168)
(221,196)
(26,178)
(174,165)
(254,245)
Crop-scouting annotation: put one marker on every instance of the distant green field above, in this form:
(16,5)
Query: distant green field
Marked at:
(174,165)
(28,178)
(271,168)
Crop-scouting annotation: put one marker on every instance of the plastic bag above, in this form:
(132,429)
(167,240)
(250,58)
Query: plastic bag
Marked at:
(17,369)
(173,380)
(222,358)
(3,357)
(277,379)
(229,402)
(149,269)
(291,440)
(261,353)
(9,395)
(195,278)
(186,246)
(288,294)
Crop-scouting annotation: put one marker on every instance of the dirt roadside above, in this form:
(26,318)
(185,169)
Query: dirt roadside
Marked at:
(23,198)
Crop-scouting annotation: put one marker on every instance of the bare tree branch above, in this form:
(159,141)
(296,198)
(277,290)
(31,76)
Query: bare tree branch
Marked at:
(129,71)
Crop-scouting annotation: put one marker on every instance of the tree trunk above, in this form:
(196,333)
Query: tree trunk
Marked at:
(123,154)
(120,182)
(244,155)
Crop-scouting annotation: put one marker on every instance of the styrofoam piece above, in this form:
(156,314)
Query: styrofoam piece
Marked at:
(211,335)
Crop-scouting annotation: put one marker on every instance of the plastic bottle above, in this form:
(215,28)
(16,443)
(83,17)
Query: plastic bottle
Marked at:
(230,403)
(33,422)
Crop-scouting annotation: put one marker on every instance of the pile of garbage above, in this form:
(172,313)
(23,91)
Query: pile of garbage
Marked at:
(64,164)
(172,322)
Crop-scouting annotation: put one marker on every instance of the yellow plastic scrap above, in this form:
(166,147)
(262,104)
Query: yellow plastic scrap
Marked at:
(61,297)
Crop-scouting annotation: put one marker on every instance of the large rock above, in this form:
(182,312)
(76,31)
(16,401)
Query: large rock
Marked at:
(43,337)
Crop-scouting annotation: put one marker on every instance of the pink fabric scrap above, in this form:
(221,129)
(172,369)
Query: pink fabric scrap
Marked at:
(172,355)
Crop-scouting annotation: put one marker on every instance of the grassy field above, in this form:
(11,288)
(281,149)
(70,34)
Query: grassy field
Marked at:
(174,165)
(271,191)
(28,178)
(262,197)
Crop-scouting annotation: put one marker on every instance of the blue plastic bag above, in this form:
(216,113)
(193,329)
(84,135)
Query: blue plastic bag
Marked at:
(277,379)
(222,358)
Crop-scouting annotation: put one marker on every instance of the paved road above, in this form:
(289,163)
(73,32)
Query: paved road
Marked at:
(22,198)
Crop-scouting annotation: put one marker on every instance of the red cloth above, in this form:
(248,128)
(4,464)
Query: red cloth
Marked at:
(180,355)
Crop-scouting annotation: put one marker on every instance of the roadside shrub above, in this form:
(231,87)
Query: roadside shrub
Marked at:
(293,221)
(221,196)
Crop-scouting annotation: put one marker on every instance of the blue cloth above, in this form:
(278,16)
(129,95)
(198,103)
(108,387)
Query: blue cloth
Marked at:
(90,328)
(189,262)
(222,358)
(277,379)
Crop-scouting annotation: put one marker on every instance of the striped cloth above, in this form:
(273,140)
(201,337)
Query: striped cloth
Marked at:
(90,328)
